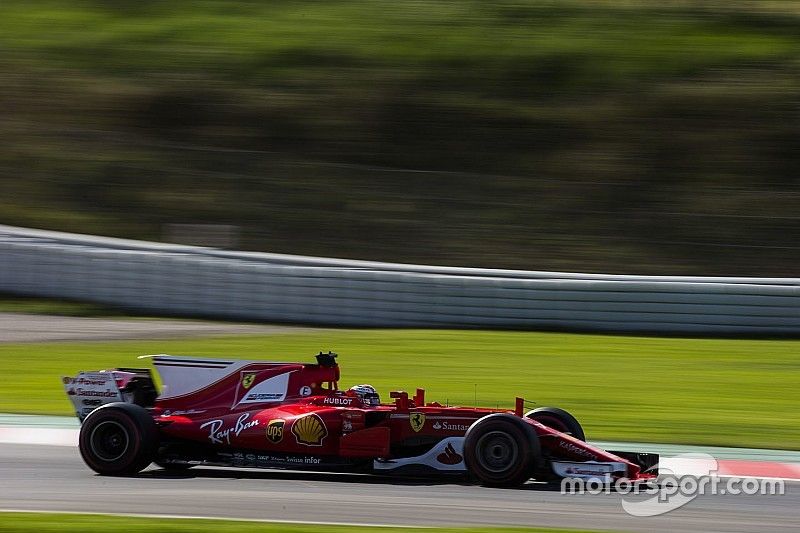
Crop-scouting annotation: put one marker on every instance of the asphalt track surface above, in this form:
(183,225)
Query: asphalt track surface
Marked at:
(54,478)
(21,327)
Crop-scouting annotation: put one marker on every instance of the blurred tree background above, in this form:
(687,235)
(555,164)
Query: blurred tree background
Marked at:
(628,136)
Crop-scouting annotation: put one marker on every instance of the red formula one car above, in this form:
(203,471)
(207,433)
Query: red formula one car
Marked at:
(294,416)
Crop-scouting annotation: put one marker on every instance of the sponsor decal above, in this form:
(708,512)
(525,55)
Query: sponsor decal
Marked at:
(263,397)
(309,430)
(449,456)
(247,379)
(351,420)
(92,381)
(417,421)
(108,393)
(447,425)
(305,390)
(218,435)
(337,400)
(269,390)
(275,430)
(587,471)
(265,459)
(91,389)
(179,412)
(577,450)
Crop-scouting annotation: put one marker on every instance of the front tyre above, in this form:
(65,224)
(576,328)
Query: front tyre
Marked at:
(501,450)
(557,419)
(118,439)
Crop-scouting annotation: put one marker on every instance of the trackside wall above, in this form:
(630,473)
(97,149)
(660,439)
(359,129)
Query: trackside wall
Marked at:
(197,281)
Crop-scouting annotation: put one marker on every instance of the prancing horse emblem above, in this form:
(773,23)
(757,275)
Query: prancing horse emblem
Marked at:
(417,421)
(247,379)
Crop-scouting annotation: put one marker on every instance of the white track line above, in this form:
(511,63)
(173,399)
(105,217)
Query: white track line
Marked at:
(217,518)
(46,436)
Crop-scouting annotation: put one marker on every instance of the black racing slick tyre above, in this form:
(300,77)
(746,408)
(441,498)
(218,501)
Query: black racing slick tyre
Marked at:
(118,439)
(501,450)
(557,419)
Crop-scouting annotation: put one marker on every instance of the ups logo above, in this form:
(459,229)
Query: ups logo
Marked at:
(275,430)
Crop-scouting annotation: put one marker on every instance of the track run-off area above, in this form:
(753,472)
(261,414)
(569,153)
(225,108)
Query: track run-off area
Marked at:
(40,477)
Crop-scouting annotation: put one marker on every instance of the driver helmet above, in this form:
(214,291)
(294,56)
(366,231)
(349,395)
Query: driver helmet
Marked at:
(367,394)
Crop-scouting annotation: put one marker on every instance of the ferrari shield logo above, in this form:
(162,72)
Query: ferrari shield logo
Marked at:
(247,379)
(417,421)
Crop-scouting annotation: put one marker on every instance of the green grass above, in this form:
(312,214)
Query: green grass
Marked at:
(47,306)
(255,42)
(674,390)
(81,523)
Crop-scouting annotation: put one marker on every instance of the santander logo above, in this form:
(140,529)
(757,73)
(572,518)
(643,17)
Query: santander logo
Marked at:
(449,456)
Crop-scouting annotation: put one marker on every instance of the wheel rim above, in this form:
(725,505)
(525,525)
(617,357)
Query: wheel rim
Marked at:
(109,440)
(496,451)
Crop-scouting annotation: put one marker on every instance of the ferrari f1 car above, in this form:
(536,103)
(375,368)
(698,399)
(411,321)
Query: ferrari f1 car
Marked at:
(225,412)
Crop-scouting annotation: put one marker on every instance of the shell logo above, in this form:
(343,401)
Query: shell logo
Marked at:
(309,430)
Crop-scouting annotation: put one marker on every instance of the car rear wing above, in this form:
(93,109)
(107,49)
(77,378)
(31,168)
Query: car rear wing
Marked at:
(89,390)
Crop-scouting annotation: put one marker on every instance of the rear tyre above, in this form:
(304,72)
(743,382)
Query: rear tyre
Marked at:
(118,439)
(557,419)
(501,450)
